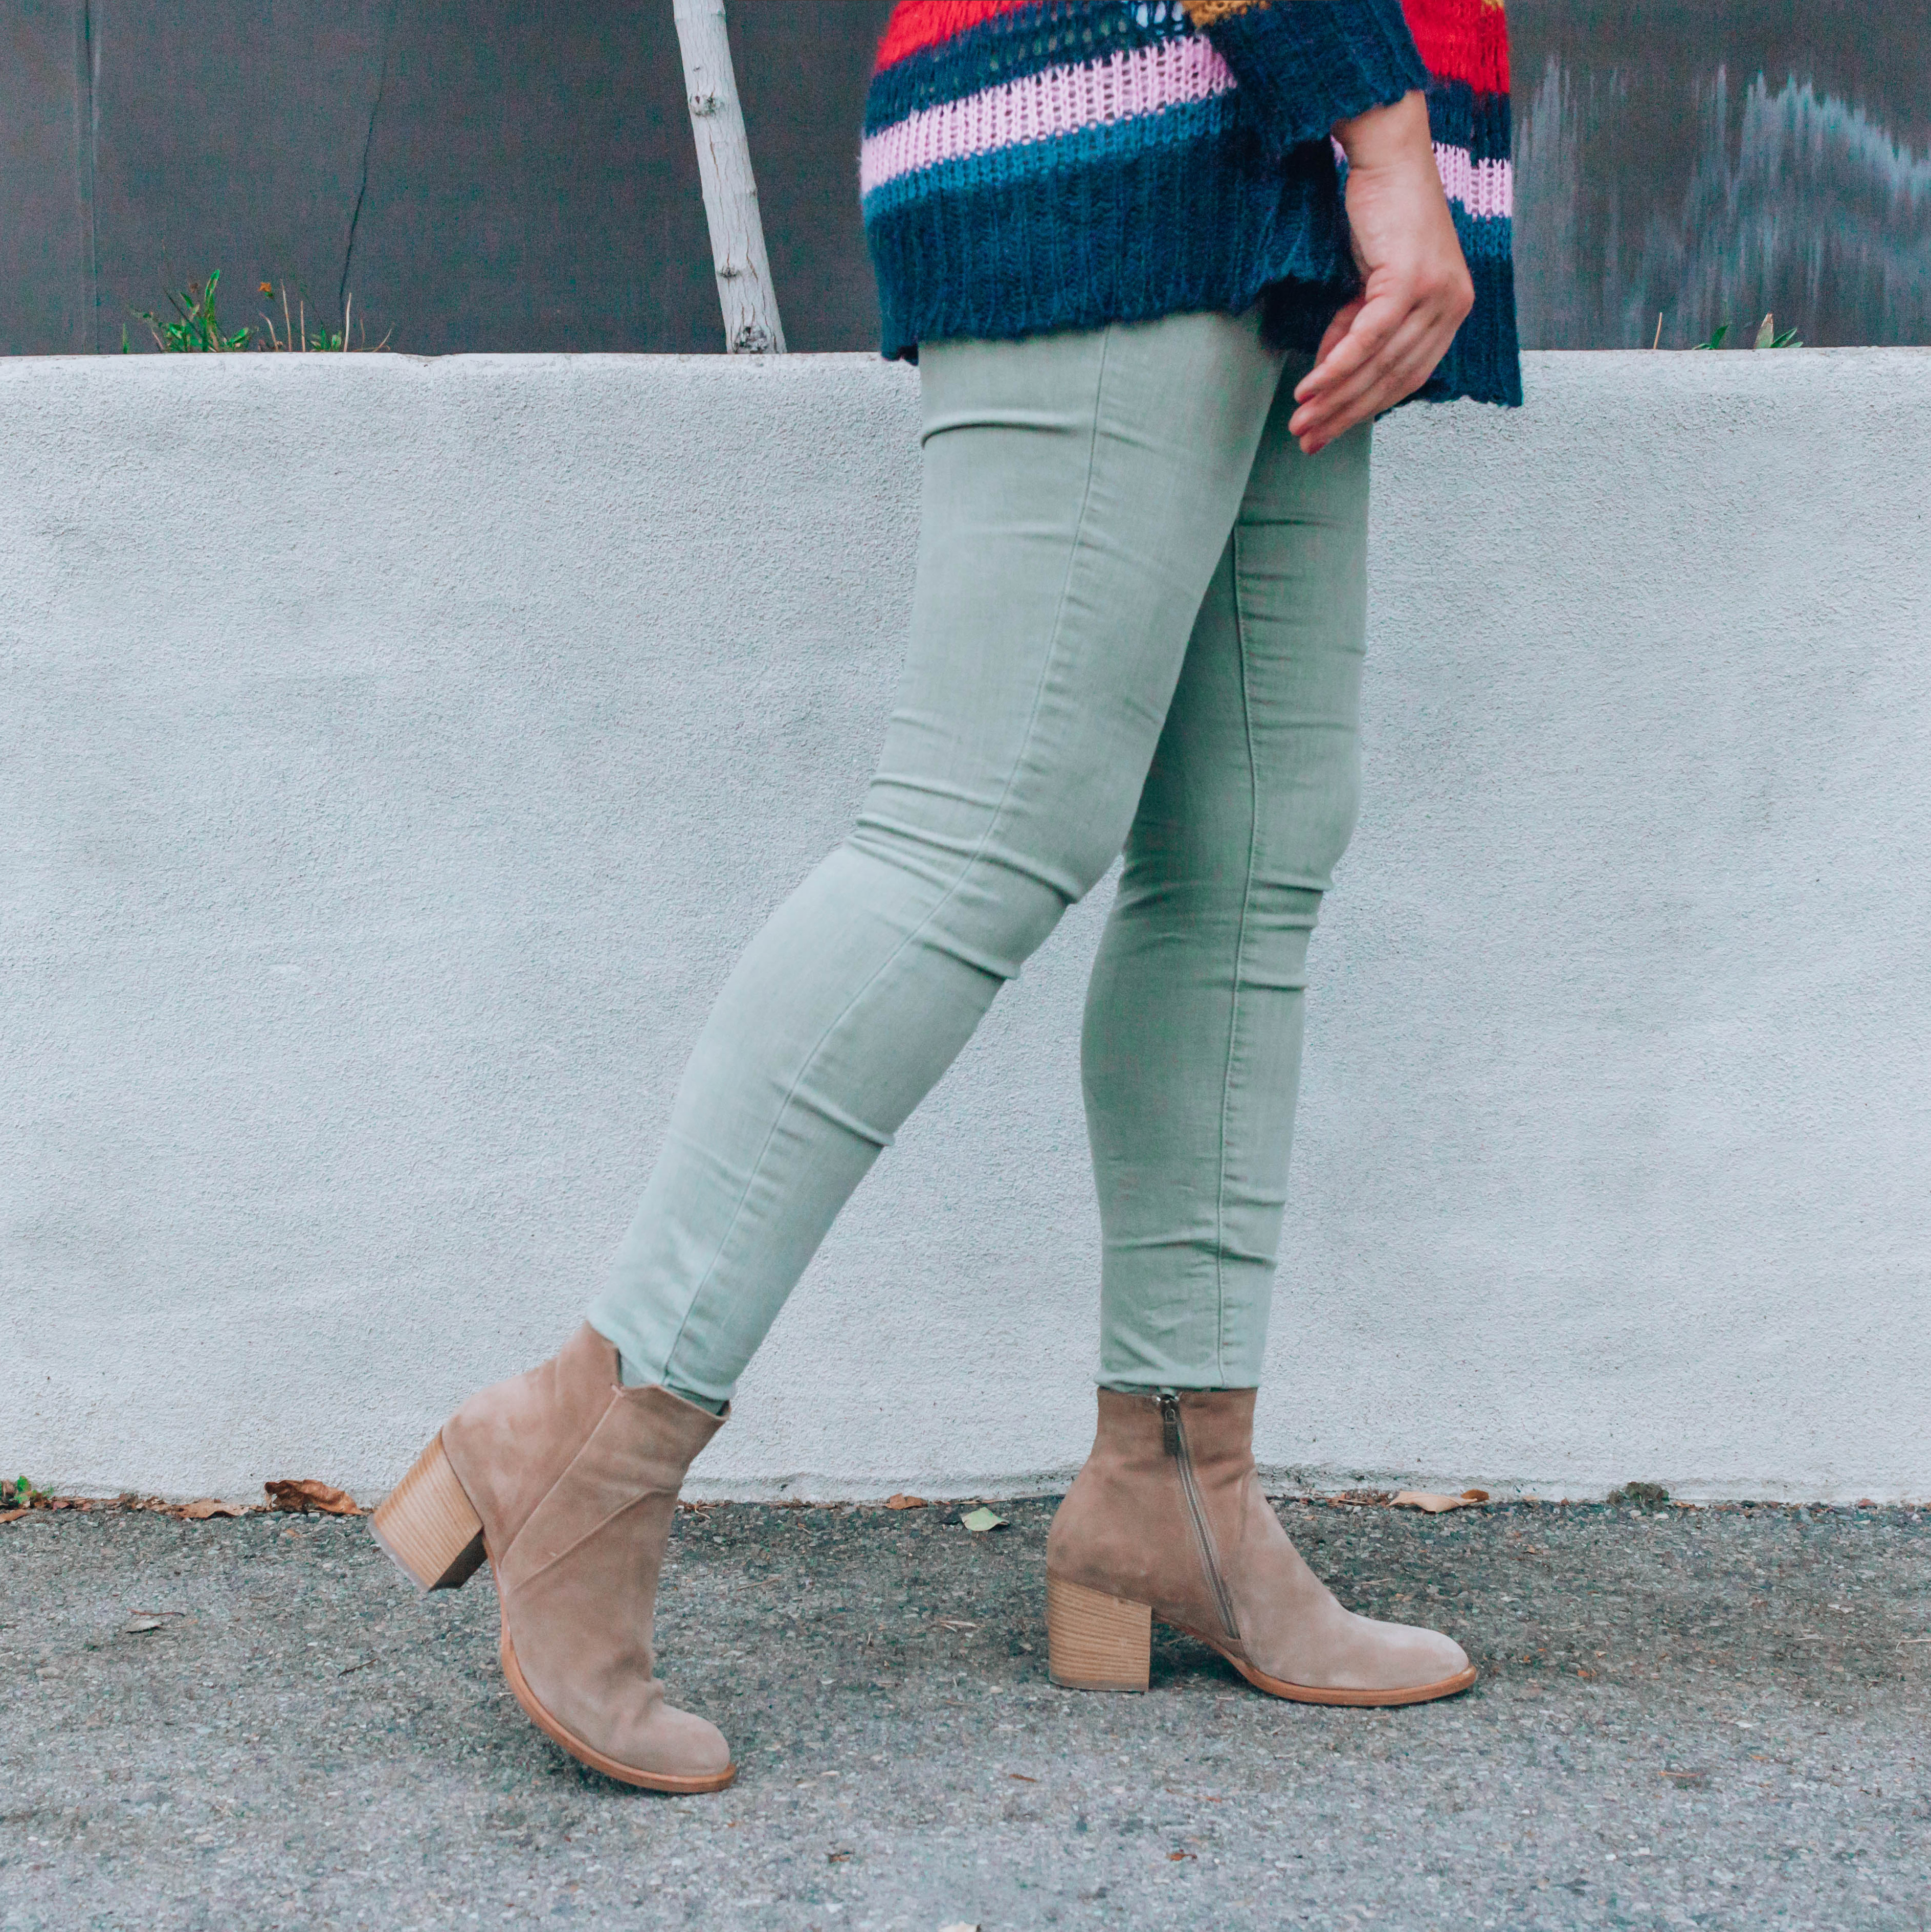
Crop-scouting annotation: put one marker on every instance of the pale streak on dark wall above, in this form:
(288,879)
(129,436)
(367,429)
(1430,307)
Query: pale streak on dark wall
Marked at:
(45,290)
(1710,160)
(530,181)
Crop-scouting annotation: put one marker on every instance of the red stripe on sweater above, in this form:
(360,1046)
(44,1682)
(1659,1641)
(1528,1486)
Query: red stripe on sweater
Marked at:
(1458,40)
(1462,39)
(917,24)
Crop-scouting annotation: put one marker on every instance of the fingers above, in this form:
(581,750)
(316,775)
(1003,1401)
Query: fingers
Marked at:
(1376,323)
(1405,363)
(1378,389)
(1383,396)
(1314,435)
(1375,320)
(1409,339)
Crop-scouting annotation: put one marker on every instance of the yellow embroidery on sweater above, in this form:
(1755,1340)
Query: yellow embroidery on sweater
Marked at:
(1204,13)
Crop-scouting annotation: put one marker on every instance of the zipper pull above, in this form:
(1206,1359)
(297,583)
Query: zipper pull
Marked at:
(1170,1425)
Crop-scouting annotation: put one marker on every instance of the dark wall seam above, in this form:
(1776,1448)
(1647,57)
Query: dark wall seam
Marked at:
(362,189)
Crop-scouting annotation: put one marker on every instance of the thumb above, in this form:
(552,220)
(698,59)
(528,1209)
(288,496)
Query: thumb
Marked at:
(1344,320)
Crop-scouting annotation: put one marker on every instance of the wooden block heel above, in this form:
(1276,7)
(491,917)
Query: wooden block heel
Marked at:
(428,1526)
(1094,1641)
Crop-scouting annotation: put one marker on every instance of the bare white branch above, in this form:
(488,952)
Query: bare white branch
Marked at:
(745,292)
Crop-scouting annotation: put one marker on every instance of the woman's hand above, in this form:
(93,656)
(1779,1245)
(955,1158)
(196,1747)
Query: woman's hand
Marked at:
(1384,344)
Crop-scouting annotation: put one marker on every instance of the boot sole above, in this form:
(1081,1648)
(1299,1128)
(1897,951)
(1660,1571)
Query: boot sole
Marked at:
(430,1531)
(1311,1693)
(1098,1643)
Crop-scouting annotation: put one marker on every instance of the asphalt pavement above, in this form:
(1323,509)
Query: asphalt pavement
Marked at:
(1713,1718)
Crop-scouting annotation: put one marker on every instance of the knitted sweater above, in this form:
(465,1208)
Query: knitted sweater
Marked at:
(1031,165)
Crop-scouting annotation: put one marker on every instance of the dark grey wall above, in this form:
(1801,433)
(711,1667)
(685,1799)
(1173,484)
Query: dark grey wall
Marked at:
(525,175)
(524,180)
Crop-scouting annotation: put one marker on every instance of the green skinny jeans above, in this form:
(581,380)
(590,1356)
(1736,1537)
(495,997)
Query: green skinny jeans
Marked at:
(1137,623)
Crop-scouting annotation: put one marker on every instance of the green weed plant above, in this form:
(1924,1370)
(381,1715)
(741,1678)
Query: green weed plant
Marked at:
(196,327)
(1767,337)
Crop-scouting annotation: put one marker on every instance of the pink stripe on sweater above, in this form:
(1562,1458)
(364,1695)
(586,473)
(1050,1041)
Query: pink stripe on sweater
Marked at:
(1482,188)
(1061,100)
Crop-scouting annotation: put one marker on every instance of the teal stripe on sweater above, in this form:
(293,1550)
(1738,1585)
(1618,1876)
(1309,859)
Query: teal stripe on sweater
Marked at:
(1201,124)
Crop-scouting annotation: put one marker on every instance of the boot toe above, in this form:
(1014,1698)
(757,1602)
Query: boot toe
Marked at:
(678,1744)
(1410,1657)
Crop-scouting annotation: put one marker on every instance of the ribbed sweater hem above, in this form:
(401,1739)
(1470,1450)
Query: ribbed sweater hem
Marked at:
(1117,239)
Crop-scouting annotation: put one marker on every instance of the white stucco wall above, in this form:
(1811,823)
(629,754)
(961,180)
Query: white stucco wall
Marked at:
(394,755)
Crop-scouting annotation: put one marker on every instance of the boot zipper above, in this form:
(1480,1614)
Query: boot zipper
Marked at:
(1173,1439)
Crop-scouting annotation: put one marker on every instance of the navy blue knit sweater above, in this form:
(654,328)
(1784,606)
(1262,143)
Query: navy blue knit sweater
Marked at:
(1031,165)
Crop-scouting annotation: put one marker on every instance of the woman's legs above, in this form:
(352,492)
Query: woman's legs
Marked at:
(1078,490)
(1191,1052)
(1191,1049)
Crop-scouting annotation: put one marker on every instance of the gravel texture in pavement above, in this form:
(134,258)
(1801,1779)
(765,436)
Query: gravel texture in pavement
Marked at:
(1712,1717)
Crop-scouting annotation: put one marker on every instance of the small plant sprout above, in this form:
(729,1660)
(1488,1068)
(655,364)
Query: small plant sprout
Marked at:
(1767,337)
(295,334)
(196,328)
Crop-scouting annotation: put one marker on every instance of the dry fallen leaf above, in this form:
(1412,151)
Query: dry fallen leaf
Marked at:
(1424,1499)
(207,1507)
(12,1515)
(904,1502)
(309,1495)
(134,1626)
(980,1520)
(961,1927)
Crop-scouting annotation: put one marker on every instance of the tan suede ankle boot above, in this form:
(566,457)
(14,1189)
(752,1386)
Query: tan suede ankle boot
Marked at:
(567,1481)
(1167,1519)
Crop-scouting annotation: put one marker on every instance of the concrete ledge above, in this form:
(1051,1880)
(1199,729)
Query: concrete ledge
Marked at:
(394,753)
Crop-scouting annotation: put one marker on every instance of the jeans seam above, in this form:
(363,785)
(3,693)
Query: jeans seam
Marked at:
(1239,962)
(965,869)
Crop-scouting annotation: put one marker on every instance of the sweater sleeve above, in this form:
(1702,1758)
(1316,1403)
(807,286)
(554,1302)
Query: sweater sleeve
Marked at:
(1306,65)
